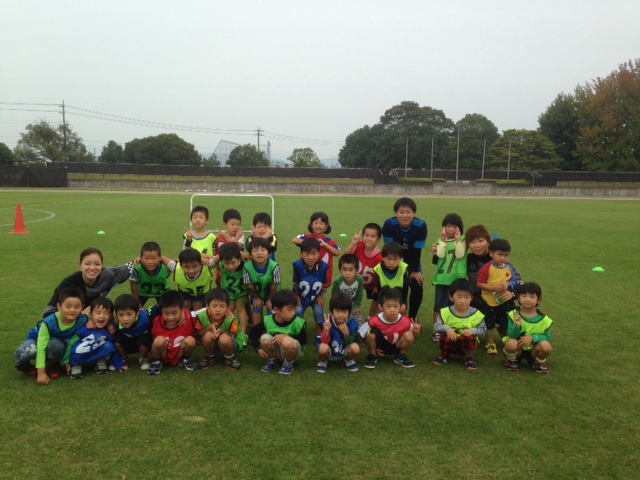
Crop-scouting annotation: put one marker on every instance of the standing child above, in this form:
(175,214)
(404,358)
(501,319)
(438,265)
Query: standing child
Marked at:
(529,331)
(281,338)
(477,238)
(198,236)
(262,228)
(319,227)
(339,335)
(231,280)
(309,276)
(232,224)
(351,283)
(133,329)
(449,254)
(498,280)
(46,343)
(150,278)
(192,278)
(459,325)
(390,332)
(392,272)
(369,256)
(262,277)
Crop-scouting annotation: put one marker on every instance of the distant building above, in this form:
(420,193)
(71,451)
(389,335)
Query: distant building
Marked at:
(223,150)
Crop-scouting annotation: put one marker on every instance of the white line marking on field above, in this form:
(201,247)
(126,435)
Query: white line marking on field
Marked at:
(40,205)
(51,215)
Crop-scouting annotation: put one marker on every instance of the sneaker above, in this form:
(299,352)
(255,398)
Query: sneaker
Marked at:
(101,367)
(439,360)
(512,365)
(321,367)
(232,363)
(207,362)
(76,371)
(371,361)
(350,364)
(270,365)
(540,368)
(188,364)
(144,363)
(436,338)
(28,369)
(155,368)
(54,371)
(491,349)
(403,360)
(470,363)
(286,368)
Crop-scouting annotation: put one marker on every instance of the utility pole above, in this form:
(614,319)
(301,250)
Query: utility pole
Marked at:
(259,133)
(64,132)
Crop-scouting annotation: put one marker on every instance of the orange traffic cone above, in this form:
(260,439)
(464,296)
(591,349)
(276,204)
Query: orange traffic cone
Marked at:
(18,226)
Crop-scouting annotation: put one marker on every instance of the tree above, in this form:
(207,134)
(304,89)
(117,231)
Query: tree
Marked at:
(6,155)
(305,158)
(44,143)
(530,151)
(211,161)
(112,152)
(475,129)
(247,156)
(163,149)
(560,124)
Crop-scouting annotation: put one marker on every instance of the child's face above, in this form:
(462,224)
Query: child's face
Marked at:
(285,314)
(499,257)
(318,227)
(392,262)
(310,257)
(405,216)
(340,316)
(370,238)
(479,246)
(461,300)
(391,309)
(348,272)
(450,230)
(150,261)
(217,310)
(127,317)
(529,301)
(260,255)
(100,316)
(231,265)
(91,266)
(199,220)
(191,269)
(262,228)
(70,309)
(172,316)
(233,226)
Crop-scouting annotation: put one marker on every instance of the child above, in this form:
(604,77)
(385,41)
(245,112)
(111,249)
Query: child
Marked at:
(477,238)
(133,329)
(369,256)
(393,273)
(221,339)
(309,275)
(262,276)
(192,278)
(232,223)
(390,332)
(529,331)
(319,227)
(231,281)
(174,335)
(48,340)
(93,343)
(282,336)
(497,280)
(449,254)
(459,325)
(350,282)
(262,228)
(339,335)
(150,278)
(198,236)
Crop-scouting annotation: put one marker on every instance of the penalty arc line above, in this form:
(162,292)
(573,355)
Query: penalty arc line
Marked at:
(51,215)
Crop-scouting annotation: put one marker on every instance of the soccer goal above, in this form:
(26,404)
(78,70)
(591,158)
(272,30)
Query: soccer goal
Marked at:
(248,204)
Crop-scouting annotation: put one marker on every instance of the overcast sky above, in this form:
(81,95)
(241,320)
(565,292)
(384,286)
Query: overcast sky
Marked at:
(296,69)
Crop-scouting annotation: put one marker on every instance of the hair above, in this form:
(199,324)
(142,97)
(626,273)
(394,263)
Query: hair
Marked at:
(90,251)
(392,249)
(477,231)
(390,294)
(260,242)
(349,259)
(405,202)
(171,298)
(103,302)
(284,298)
(229,250)
(150,247)
(530,288)
(373,226)
(310,244)
(499,244)
(461,286)
(127,302)
(341,301)
(453,219)
(217,294)
(231,214)
(190,255)
(262,217)
(319,216)
(200,209)
(70,292)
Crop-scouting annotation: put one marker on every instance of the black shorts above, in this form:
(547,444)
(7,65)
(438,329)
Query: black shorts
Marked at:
(369,293)
(132,344)
(498,316)
(382,343)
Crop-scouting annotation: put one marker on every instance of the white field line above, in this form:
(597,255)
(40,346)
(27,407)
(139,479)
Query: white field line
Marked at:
(51,215)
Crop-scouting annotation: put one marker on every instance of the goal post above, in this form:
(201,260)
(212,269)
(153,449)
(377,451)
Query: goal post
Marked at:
(245,203)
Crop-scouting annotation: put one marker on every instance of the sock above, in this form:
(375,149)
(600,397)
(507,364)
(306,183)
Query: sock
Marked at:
(229,357)
(510,356)
(540,361)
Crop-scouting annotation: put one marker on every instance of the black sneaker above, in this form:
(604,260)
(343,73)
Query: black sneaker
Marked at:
(76,371)
(403,360)
(232,363)
(371,361)
(155,368)
(101,367)
(188,364)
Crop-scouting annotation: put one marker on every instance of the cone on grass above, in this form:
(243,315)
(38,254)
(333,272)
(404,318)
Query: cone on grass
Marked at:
(18,226)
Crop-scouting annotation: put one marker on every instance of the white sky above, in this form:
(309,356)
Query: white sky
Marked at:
(314,70)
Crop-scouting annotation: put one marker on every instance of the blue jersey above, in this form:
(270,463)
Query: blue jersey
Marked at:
(91,345)
(413,239)
(142,326)
(338,343)
(308,283)
(51,322)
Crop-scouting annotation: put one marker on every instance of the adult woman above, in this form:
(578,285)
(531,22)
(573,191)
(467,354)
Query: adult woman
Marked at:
(93,279)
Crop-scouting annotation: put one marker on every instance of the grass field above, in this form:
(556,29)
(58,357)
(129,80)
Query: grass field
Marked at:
(581,421)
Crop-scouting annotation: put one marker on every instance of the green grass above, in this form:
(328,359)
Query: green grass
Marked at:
(581,421)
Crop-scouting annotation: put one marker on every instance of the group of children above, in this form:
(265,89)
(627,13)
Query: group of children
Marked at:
(229,294)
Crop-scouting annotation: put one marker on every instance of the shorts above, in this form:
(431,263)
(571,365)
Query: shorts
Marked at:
(239,304)
(218,353)
(190,298)
(382,343)
(442,298)
(278,351)
(132,344)
(498,316)
(457,347)
(258,310)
